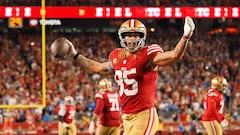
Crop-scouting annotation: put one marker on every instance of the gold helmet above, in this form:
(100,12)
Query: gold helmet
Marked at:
(132,26)
(69,100)
(104,85)
(219,83)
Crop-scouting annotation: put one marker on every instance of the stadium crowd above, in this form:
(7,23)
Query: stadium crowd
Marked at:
(181,86)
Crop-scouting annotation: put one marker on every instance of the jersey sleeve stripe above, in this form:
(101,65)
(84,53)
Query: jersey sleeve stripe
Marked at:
(154,48)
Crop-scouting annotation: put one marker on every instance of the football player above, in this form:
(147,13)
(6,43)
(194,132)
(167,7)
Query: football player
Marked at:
(107,112)
(135,68)
(213,118)
(66,114)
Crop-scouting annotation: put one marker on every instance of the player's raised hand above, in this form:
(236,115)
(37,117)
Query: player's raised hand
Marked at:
(189,27)
(62,47)
(72,51)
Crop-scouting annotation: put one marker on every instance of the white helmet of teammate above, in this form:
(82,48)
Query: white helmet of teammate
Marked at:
(132,26)
(219,83)
(69,100)
(105,85)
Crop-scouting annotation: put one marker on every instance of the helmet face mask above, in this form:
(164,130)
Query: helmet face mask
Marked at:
(105,85)
(69,100)
(135,27)
(219,83)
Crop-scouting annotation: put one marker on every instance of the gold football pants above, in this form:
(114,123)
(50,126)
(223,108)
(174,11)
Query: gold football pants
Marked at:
(142,123)
(102,130)
(213,127)
(71,130)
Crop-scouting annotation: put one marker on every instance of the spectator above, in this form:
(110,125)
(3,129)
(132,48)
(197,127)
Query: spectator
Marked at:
(46,117)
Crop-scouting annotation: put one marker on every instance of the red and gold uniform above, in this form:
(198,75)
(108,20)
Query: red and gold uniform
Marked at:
(214,105)
(136,69)
(137,82)
(213,117)
(108,109)
(67,113)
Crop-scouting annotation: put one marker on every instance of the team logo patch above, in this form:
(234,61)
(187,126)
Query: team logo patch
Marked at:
(114,61)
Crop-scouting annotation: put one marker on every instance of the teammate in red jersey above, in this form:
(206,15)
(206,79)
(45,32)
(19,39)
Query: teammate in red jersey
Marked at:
(213,117)
(107,111)
(135,66)
(66,114)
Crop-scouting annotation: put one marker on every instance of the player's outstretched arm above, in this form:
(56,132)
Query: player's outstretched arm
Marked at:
(94,66)
(177,53)
(88,64)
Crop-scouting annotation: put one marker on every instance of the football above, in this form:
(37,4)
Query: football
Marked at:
(60,47)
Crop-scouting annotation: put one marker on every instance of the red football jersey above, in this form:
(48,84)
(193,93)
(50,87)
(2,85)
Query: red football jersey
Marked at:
(68,112)
(136,80)
(108,108)
(214,106)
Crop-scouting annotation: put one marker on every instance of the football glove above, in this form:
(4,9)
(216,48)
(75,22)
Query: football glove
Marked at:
(224,123)
(189,27)
(72,51)
(91,128)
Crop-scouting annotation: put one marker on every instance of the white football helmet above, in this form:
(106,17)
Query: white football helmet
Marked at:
(132,26)
(104,85)
(69,100)
(219,83)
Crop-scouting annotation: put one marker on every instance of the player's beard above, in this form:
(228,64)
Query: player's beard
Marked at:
(131,45)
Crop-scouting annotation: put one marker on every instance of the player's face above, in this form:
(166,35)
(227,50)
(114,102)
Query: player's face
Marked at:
(132,40)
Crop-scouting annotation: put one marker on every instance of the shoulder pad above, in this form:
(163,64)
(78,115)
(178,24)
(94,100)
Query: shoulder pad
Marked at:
(212,94)
(99,95)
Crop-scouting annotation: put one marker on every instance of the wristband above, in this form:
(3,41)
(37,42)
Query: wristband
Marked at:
(76,55)
(185,38)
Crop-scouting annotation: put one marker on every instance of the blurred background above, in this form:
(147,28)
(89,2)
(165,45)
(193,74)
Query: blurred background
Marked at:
(92,25)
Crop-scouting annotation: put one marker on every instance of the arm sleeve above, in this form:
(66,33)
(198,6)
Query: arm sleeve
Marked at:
(99,106)
(60,118)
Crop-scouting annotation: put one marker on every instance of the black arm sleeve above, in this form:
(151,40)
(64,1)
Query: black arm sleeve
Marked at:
(60,118)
